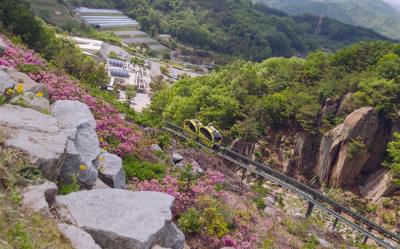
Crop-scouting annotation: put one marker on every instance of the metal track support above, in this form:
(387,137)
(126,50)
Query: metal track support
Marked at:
(309,209)
(335,222)
(244,174)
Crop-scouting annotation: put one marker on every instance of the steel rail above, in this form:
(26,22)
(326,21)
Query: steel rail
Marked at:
(313,197)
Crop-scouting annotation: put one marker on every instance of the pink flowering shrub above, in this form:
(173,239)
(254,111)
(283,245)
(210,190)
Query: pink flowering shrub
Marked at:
(115,134)
(15,55)
(243,236)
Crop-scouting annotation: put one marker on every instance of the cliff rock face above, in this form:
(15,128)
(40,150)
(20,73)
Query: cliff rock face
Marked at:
(345,150)
(378,185)
(306,144)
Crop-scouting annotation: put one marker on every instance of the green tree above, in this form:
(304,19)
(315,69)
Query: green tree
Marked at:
(393,162)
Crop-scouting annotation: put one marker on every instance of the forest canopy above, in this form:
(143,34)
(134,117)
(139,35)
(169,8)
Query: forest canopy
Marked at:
(245,98)
(238,28)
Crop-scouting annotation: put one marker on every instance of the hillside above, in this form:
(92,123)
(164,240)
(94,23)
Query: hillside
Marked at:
(373,14)
(53,11)
(238,28)
(77,171)
(272,104)
(394,3)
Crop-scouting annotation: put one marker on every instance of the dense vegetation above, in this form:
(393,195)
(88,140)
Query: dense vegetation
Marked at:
(237,27)
(286,91)
(245,98)
(374,14)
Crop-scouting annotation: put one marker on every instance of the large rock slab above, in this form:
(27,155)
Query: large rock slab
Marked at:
(78,237)
(111,171)
(72,113)
(37,135)
(121,219)
(335,164)
(33,101)
(38,197)
(378,185)
(83,144)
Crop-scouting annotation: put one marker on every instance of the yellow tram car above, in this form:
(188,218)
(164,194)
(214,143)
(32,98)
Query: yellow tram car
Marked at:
(208,135)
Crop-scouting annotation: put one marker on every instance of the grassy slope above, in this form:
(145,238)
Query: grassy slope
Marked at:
(20,227)
(374,14)
(51,7)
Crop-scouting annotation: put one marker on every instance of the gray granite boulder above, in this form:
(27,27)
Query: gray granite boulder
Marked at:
(78,237)
(120,219)
(111,171)
(33,101)
(99,184)
(72,113)
(29,84)
(155,147)
(83,144)
(37,135)
(38,197)
(3,47)
(6,82)
(176,158)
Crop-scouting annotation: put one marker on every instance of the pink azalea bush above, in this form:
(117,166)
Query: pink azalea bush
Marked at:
(242,237)
(14,55)
(115,134)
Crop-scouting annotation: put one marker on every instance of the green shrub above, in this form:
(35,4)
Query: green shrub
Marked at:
(142,170)
(389,217)
(393,161)
(296,227)
(29,68)
(260,203)
(216,217)
(356,148)
(190,221)
(163,140)
(68,188)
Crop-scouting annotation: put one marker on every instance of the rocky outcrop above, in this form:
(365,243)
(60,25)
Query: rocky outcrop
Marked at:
(340,161)
(6,82)
(2,47)
(29,85)
(120,219)
(111,171)
(176,157)
(78,237)
(243,147)
(37,135)
(38,197)
(305,146)
(71,114)
(33,101)
(378,185)
(83,147)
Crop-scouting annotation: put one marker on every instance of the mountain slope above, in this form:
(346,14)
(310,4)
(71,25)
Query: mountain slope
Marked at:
(394,3)
(375,14)
(238,28)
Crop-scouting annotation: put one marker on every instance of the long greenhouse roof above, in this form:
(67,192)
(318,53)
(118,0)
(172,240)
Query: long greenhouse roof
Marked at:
(88,10)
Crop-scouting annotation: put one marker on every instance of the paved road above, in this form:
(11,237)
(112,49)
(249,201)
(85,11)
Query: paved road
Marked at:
(141,101)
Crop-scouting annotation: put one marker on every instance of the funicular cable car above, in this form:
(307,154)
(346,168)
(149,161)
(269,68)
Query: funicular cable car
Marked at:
(208,135)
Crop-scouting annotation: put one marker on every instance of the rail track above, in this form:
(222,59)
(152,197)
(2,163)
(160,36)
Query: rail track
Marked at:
(315,199)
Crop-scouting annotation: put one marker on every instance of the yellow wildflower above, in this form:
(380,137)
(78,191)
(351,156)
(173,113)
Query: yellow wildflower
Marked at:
(101,158)
(10,91)
(82,167)
(20,88)
(101,140)
(39,94)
